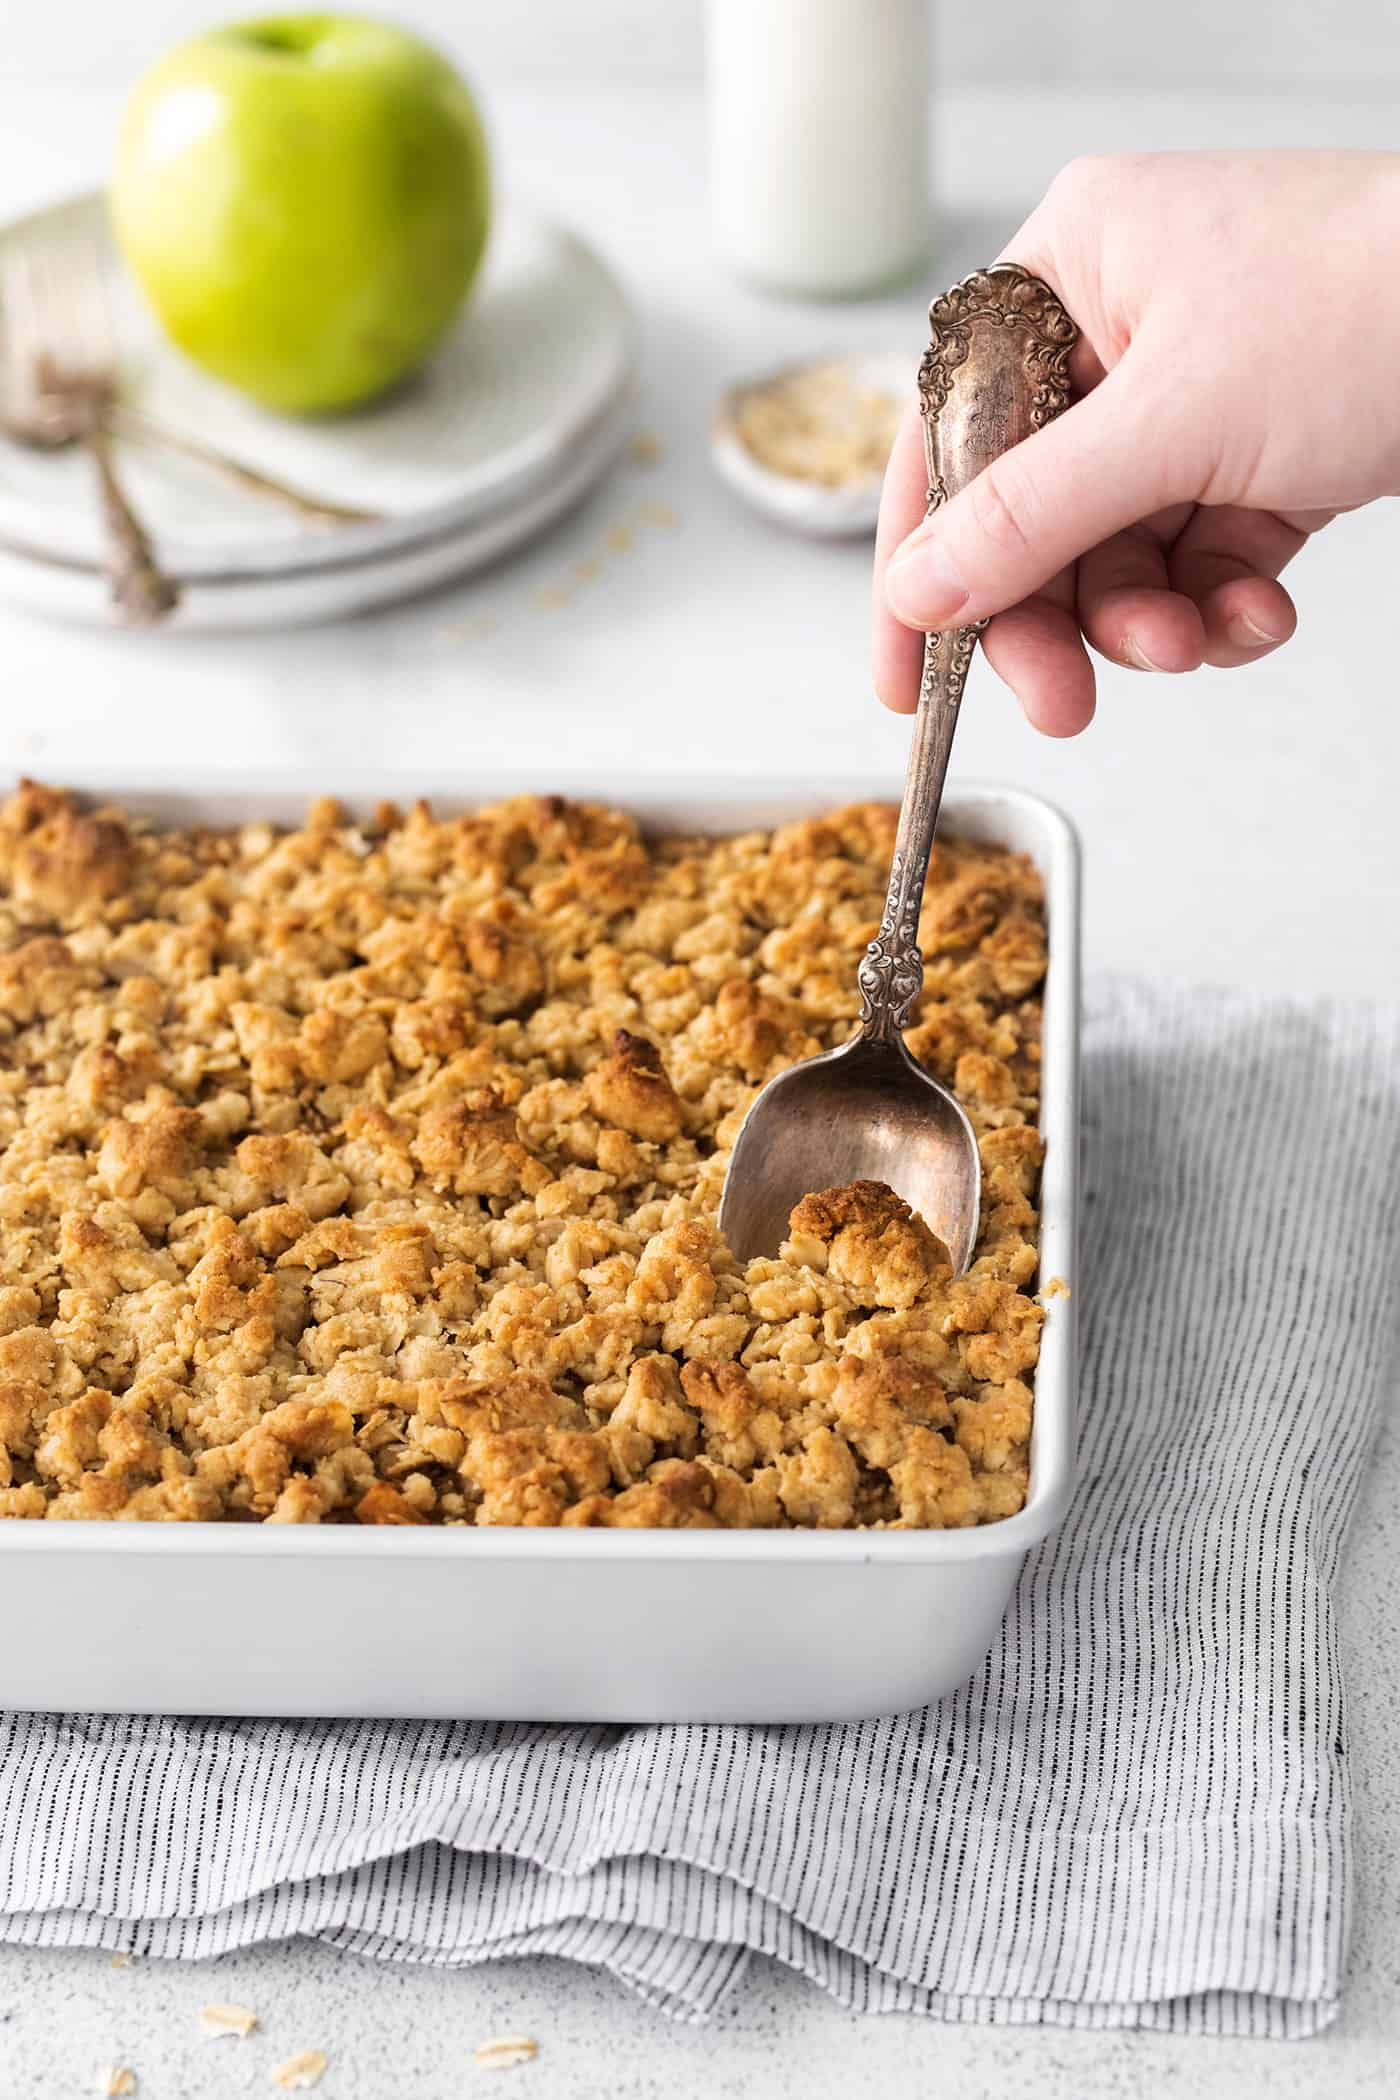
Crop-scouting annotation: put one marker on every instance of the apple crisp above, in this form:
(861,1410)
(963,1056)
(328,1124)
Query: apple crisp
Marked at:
(369,1173)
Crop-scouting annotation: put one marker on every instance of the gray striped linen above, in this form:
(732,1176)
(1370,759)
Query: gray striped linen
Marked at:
(1136,1814)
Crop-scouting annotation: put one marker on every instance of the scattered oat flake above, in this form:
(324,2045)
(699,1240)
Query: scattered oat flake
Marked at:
(505,2052)
(122,1959)
(113,2080)
(618,538)
(299,2073)
(645,449)
(586,570)
(656,514)
(550,597)
(219,2020)
(1056,1288)
(817,423)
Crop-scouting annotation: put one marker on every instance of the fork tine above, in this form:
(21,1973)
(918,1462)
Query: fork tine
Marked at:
(58,327)
(18,265)
(20,330)
(47,305)
(84,285)
(10,329)
(46,302)
(56,311)
(104,313)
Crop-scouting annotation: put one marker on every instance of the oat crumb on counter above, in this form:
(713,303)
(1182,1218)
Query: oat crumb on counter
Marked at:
(645,449)
(368,1173)
(1056,1288)
(505,2052)
(220,2020)
(115,2081)
(299,2073)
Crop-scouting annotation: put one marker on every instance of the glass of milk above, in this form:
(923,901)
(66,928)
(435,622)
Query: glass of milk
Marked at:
(819,151)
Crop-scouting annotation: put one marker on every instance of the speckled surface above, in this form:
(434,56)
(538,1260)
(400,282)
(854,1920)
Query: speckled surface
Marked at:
(394,2030)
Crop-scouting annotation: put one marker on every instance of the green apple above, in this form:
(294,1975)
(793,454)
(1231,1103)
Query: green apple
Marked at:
(304,201)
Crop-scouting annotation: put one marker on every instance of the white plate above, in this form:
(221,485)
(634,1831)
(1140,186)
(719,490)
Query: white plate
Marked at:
(338,585)
(539,360)
(567,1625)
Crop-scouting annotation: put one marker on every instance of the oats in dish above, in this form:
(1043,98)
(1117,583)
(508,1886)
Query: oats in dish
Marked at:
(818,423)
(370,1173)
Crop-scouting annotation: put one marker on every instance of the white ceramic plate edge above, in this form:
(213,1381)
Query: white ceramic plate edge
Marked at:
(336,590)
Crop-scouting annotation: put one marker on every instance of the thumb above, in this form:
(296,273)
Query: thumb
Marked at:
(1101,466)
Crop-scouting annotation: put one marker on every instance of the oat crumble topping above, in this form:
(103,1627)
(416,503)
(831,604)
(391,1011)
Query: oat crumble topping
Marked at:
(370,1174)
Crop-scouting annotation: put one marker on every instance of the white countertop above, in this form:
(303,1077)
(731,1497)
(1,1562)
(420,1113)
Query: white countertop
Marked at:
(1237,826)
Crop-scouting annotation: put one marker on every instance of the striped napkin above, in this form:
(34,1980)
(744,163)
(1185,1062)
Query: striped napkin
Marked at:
(1135,1815)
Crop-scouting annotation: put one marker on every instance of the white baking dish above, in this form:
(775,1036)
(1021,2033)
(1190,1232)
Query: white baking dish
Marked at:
(567,1625)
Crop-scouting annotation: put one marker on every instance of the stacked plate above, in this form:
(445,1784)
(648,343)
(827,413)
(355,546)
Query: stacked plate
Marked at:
(518,415)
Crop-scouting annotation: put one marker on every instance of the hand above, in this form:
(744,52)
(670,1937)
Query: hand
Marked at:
(1240,339)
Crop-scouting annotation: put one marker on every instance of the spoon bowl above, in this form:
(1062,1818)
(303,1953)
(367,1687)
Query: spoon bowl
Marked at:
(865,1112)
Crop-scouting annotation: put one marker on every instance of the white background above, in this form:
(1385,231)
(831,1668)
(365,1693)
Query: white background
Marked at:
(1240,826)
(1200,48)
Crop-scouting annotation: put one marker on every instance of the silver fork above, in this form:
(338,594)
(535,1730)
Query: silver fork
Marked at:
(58,387)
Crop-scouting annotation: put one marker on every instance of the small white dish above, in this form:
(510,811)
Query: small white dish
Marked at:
(810,507)
(481,449)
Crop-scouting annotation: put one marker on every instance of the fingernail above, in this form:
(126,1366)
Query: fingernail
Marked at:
(1245,634)
(1133,653)
(922,583)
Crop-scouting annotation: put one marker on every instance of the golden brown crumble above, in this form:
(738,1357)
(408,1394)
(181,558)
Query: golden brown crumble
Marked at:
(370,1174)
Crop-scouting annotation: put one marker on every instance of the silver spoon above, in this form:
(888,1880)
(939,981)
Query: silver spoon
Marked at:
(995,370)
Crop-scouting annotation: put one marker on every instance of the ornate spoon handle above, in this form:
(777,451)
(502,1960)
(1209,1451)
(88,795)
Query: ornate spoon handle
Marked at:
(996,368)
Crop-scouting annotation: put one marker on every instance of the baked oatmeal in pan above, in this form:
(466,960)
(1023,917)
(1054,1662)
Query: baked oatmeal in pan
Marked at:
(370,1174)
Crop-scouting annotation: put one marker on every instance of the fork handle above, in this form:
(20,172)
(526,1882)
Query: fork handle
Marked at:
(316,510)
(996,369)
(139,589)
